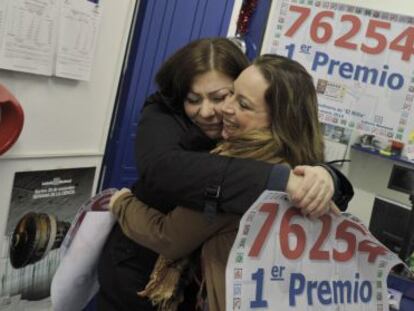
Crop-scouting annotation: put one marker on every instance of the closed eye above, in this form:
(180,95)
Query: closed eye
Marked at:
(243,104)
(219,98)
(193,99)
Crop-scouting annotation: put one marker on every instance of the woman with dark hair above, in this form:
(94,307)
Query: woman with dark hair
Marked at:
(178,122)
(272,116)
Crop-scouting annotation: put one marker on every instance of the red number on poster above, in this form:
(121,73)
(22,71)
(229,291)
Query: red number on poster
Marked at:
(349,238)
(303,15)
(343,41)
(372,248)
(343,232)
(297,230)
(408,48)
(375,35)
(271,209)
(318,24)
(321,32)
(316,252)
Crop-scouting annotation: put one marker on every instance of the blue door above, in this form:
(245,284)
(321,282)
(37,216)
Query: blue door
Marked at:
(161,27)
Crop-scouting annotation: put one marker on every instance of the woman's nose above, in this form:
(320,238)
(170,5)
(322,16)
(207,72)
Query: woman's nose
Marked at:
(207,109)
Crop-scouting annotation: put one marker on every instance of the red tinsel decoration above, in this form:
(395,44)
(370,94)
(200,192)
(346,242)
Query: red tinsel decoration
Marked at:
(246,12)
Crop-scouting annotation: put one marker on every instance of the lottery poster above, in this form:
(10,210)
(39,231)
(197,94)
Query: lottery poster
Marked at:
(361,61)
(281,260)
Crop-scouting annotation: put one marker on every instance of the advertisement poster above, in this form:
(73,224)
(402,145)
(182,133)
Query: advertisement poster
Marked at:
(361,61)
(43,204)
(281,260)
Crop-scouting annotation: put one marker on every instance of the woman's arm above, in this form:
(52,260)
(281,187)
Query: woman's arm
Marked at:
(188,178)
(196,179)
(174,235)
(309,196)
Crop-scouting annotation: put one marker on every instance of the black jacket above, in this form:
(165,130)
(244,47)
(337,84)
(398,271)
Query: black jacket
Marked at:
(171,174)
(174,172)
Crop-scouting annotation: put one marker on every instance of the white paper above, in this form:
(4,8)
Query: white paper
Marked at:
(78,31)
(336,139)
(333,269)
(28,35)
(75,281)
(3,11)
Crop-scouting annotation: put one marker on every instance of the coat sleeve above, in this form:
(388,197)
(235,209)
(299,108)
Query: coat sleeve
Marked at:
(174,235)
(188,178)
(344,191)
(185,177)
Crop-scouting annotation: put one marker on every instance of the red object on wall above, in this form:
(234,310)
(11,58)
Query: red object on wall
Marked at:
(11,119)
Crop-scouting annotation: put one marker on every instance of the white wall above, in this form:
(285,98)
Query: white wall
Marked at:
(67,121)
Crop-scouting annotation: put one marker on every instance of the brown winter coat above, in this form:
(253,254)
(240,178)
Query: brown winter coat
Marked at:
(169,236)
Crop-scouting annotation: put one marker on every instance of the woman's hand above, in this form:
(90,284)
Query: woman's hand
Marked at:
(311,189)
(115,196)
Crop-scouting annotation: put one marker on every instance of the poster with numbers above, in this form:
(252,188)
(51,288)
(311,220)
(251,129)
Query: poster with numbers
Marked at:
(281,260)
(361,61)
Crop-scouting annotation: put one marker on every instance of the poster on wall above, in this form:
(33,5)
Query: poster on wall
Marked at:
(361,61)
(49,37)
(28,35)
(42,206)
(78,33)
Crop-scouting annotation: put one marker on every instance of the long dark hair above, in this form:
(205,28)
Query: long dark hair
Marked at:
(176,75)
(292,101)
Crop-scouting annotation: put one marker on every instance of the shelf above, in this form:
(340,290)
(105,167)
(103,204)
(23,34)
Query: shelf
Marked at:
(376,153)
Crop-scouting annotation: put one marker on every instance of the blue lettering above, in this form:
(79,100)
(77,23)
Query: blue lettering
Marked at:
(311,285)
(339,288)
(365,73)
(326,292)
(347,70)
(319,59)
(383,75)
(332,64)
(356,287)
(400,81)
(324,289)
(295,289)
(365,285)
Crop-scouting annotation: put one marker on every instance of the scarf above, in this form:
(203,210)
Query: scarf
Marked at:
(169,278)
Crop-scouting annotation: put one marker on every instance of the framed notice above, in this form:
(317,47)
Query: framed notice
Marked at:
(361,60)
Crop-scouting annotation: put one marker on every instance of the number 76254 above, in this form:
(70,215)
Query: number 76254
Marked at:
(345,231)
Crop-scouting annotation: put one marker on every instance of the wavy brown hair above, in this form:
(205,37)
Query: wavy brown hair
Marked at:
(177,74)
(292,101)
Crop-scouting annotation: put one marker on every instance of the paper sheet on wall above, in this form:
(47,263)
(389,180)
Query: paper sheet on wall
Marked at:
(281,260)
(3,7)
(337,139)
(361,60)
(78,31)
(28,35)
